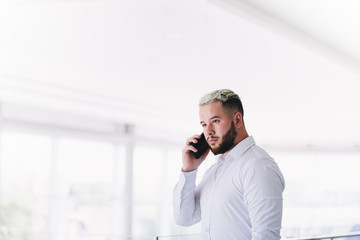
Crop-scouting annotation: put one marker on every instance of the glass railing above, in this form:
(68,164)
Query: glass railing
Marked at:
(345,236)
(179,237)
(65,236)
(59,236)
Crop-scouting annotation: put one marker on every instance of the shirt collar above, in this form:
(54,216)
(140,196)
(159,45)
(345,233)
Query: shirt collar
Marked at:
(238,150)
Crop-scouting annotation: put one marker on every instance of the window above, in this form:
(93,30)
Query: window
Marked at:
(321,194)
(25,168)
(59,185)
(75,188)
(85,171)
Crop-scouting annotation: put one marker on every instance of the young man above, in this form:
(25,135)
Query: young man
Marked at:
(240,196)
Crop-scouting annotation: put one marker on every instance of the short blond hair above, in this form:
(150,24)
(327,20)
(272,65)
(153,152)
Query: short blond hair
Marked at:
(229,99)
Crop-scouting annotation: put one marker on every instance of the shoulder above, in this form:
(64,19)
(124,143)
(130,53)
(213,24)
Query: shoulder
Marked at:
(260,166)
(256,157)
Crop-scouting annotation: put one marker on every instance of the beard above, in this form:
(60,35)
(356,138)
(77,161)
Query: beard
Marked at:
(227,141)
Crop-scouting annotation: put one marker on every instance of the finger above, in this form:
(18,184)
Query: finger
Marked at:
(191,140)
(196,136)
(190,148)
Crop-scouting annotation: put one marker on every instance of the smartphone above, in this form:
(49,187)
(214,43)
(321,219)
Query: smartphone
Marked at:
(201,146)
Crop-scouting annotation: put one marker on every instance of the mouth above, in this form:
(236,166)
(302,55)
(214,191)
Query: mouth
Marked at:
(212,141)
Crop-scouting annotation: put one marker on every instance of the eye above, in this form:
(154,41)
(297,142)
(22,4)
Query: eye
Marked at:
(216,121)
(203,125)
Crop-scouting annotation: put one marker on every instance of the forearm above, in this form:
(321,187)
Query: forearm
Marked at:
(186,206)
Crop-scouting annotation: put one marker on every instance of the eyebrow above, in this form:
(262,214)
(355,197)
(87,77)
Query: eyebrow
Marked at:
(211,118)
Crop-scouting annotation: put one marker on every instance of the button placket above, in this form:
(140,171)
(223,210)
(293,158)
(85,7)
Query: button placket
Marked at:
(217,175)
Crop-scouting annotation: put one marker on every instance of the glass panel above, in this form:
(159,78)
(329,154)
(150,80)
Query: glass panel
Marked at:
(24,183)
(180,237)
(148,185)
(321,195)
(146,218)
(85,173)
(173,166)
(69,236)
(25,164)
(148,173)
(86,162)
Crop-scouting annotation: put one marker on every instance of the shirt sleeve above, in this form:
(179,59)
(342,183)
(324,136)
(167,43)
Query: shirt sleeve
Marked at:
(185,203)
(263,187)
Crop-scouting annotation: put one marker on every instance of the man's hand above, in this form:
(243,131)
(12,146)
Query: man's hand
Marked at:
(190,163)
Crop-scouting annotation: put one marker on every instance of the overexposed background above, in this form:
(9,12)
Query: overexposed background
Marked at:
(97,98)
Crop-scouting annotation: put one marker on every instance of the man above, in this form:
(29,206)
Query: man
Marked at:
(240,196)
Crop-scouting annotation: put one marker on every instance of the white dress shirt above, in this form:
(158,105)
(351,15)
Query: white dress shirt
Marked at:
(239,198)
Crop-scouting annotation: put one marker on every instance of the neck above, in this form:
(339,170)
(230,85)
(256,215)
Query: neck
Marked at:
(241,135)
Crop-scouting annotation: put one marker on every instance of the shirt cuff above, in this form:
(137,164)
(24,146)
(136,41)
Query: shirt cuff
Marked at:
(188,179)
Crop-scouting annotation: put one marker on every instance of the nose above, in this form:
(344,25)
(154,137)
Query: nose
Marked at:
(209,130)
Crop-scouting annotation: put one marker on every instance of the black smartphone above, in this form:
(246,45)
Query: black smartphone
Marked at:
(201,146)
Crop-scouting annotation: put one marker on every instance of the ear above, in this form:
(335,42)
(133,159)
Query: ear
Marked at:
(238,120)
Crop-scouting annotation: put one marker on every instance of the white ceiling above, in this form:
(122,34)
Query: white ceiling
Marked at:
(328,26)
(294,63)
